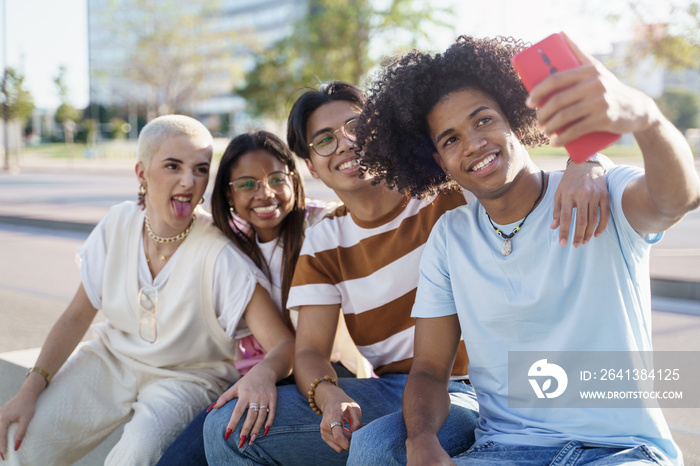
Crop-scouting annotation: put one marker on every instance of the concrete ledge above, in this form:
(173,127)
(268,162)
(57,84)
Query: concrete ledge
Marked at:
(11,379)
(679,306)
(675,289)
(47,224)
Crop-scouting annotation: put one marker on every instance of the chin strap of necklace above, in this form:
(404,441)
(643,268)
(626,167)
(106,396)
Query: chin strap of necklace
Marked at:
(507,243)
(172,239)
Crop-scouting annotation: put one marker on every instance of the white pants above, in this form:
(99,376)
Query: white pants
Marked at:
(93,394)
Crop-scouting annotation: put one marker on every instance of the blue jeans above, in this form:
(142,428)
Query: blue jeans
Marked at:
(572,454)
(295,437)
(188,447)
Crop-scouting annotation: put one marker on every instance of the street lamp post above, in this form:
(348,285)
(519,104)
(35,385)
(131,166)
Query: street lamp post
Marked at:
(5,102)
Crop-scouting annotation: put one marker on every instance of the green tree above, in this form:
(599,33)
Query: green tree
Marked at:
(175,51)
(18,104)
(66,114)
(674,42)
(333,42)
(681,107)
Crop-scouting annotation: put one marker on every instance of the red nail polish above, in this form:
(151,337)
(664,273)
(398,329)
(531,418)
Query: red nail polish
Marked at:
(228,434)
(267,429)
(243,437)
(17,445)
(252,439)
(2,456)
(211,406)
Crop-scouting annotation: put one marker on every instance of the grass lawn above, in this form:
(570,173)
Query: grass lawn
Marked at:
(616,150)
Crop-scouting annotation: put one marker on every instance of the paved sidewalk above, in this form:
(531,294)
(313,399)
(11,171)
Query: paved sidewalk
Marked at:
(74,194)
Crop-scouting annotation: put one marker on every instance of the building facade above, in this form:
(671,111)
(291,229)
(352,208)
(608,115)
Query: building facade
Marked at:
(150,57)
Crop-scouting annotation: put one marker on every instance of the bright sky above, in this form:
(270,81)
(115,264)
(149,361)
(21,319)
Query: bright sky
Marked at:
(41,35)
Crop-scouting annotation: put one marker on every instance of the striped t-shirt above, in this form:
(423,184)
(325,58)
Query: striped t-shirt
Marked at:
(371,271)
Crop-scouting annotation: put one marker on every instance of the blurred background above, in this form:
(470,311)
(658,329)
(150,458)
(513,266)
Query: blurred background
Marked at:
(81,77)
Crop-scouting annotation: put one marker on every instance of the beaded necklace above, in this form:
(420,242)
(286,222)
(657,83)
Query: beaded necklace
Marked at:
(507,247)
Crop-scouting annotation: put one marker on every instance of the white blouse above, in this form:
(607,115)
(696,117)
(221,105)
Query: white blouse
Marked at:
(235,277)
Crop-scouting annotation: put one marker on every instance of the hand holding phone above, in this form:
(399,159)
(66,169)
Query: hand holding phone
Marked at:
(543,59)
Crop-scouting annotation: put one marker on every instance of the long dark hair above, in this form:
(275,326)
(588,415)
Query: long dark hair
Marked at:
(292,226)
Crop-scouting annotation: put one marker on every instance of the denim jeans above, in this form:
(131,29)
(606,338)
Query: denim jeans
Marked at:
(572,454)
(295,438)
(188,447)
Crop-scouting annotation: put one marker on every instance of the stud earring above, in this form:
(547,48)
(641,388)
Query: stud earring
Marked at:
(232,210)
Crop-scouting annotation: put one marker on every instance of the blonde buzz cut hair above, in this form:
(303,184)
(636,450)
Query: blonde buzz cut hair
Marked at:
(167,126)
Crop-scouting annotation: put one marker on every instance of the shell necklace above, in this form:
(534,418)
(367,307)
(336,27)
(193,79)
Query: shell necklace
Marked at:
(507,247)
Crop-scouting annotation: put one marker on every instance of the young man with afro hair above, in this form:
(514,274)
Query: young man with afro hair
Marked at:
(463,118)
(362,259)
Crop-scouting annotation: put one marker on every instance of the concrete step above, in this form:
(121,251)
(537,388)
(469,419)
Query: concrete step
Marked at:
(13,369)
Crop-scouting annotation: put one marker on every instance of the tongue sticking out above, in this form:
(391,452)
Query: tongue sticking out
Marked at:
(182,209)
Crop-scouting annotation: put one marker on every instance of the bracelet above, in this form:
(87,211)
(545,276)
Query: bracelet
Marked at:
(312,389)
(42,372)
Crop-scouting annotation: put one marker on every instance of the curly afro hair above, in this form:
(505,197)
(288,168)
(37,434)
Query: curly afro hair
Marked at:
(393,130)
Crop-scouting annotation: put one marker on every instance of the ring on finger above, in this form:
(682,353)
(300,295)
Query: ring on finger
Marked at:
(254,406)
(265,408)
(335,424)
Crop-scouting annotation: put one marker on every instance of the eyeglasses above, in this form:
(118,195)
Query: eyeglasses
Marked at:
(248,186)
(324,144)
(148,302)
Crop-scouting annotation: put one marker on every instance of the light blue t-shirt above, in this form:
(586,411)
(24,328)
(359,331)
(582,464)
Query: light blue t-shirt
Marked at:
(544,297)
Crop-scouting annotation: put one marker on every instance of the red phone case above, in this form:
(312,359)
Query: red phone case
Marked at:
(547,57)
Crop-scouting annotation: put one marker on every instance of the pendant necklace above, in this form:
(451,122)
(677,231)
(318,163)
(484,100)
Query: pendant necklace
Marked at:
(507,247)
(160,255)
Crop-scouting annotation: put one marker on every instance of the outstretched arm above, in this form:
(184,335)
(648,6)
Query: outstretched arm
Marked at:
(259,384)
(670,187)
(315,335)
(426,402)
(64,336)
(591,98)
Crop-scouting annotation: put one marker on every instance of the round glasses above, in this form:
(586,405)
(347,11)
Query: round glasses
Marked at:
(247,186)
(325,143)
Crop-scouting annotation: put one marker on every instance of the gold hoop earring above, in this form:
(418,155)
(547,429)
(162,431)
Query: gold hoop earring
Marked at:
(141,191)
(201,201)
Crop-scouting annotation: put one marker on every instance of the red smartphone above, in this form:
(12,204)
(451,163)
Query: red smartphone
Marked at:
(547,57)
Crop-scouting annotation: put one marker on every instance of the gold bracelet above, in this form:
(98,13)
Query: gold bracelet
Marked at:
(312,389)
(42,372)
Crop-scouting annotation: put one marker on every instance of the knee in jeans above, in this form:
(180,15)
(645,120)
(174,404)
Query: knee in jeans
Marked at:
(369,447)
(215,424)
